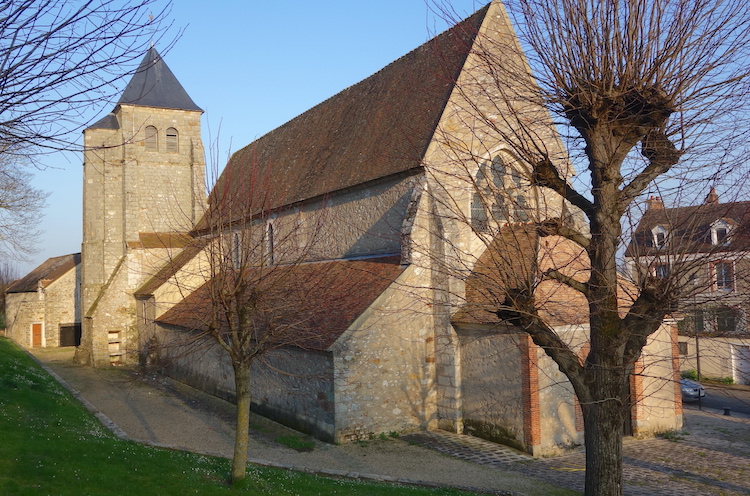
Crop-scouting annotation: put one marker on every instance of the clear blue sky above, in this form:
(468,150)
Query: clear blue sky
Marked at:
(252,65)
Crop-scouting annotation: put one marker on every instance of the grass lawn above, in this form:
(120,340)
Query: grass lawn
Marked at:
(51,445)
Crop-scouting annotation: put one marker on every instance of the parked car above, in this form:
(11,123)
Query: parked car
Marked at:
(691,390)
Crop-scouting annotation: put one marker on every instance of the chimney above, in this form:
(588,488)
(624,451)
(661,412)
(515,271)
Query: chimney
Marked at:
(712,198)
(655,203)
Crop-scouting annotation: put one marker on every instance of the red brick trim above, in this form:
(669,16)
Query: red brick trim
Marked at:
(532,426)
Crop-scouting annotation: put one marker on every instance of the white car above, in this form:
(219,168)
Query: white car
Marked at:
(691,390)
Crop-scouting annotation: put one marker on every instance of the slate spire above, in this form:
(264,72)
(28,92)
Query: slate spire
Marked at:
(154,85)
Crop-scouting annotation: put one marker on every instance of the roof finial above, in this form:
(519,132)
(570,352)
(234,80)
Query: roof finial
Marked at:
(712,198)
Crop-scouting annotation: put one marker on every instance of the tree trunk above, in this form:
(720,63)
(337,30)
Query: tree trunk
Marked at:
(603,419)
(242,428)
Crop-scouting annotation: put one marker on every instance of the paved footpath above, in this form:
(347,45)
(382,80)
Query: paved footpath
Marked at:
(711,456)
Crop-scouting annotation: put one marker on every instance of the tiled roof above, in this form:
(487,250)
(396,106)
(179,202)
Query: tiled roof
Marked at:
(689,229)
(319,300)
(376,128)
(515,260)
(49,271)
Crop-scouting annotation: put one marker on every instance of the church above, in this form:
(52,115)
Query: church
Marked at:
(360,227)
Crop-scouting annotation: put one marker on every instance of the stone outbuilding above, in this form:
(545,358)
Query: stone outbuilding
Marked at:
(43,309)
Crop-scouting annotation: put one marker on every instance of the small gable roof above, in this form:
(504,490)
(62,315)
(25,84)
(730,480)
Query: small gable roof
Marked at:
(154,85)
(324,298)
(46,273)
(376,128)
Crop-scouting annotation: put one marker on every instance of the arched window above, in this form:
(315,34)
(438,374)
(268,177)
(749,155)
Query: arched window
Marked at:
(152,139)
(479,219)
(236,251)
(173,140)
(499,170)
(269,244)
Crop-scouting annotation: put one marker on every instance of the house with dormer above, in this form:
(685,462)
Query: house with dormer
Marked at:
(706,248)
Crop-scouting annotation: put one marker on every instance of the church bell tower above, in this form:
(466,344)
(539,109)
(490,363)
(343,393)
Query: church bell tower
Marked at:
(143,189)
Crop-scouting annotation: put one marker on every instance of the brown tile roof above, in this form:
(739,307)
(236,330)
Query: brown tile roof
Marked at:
(171,267)
(376,128)
(690,229)
(322,299)
(515,260)
(46,273)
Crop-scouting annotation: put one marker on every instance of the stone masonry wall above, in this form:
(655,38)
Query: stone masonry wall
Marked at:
(61,301)
(384,366)
(493,403)
(22,310)
(290,386)
(658,402)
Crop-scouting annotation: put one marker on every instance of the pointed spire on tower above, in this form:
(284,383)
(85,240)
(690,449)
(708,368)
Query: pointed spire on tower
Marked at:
(154,85)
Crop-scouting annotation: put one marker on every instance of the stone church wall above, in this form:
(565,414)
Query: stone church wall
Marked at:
(291,386)
(491,378)
(385,366)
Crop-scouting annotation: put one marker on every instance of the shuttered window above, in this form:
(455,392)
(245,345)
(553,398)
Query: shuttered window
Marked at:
(152,142)
(173,140)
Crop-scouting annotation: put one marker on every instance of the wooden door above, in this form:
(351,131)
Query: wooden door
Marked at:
(36,335)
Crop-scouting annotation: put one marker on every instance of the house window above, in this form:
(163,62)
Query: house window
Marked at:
(662,271)
(173,143)
(699,324)
(682,347)
(498,171)
(152,140)
(726,320)
(496,186)
(723,273)
(720,231)
(659,234)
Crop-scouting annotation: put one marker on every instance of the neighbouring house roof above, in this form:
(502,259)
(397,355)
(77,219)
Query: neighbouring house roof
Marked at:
(322,299)
(376,128)
(46,273)
(152,85)
(689,228)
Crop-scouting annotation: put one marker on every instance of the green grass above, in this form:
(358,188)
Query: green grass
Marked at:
(50,445)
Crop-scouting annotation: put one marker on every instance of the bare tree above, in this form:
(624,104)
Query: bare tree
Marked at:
(8,274)
(243,286)
(645,94)
(57,58)
(21,207)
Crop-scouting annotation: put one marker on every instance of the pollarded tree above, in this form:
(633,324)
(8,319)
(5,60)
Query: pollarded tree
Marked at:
(641,92)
